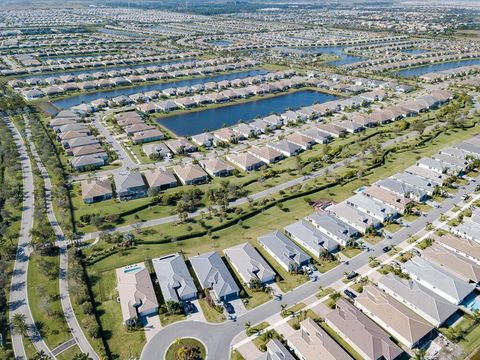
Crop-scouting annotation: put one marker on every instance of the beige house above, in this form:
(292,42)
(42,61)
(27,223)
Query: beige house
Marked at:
(190,174)
(405,325)
(94,190)
(467,248)
(136,293)
(311,342)
(160,179)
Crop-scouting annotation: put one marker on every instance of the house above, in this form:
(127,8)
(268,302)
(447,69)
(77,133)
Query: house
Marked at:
(129,185)
(310,238)
(226,134)
(160,179)
(190,174)
(424,302)
(437,279)
(398,202)
(333,227)
(364,335)
(88,162)
(245,161)
(217,167)
(276,351)
(317,135)
(147,136)
(303,141)
(266,154)
(331,129)
(402,189)
(404,324)
(372,207)
(417,182)
(81,141)
(463,268)
(212,274)
(203,139)
(174,279)
(156,150)
(180,146)
(467,248)
(274,121)
(311,342)
(134,128)
(292,117)
(285,147)
(284,251)
(88,150)
(436,177)
(136,293)
(354,217)
(249,264)
(94,190)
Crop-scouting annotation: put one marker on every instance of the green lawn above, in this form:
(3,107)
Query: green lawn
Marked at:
(410,217)
(257,328)
(211,314)
(372,239)
(293,309)
(69,353)
(171,353)
(170,319)
(262,340)
(121,342)
(44,299)
(236,355)
(296,320)
(393,227)
(351,252)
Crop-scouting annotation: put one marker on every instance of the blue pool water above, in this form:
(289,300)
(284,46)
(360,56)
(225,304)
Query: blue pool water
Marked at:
(88,97)
(437,67)
(196,122)
(472,302)
(128,270)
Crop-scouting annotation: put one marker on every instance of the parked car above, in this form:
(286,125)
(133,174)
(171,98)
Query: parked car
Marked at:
(350,294)
(229,308)
(387,248)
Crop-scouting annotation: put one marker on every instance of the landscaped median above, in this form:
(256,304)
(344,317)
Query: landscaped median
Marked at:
(185,348)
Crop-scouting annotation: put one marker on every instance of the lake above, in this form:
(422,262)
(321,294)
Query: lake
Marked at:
(415,51)
(111,93)
(196,122)
(437,67)
(345,58)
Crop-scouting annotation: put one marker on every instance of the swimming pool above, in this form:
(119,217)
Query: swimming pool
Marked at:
(472,302)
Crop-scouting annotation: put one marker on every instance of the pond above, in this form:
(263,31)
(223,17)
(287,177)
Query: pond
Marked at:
(344,58)
(196,122)
(89,97)
(417,71)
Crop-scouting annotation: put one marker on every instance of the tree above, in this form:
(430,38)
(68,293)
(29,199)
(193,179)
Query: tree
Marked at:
(247,325)
(41,356)
(19,324)
(81,356)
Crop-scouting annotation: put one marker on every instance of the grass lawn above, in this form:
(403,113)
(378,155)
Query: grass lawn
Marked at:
(324,292)
(471,340)
(69,353)
(340,341)
(211,314)
(351,252)
(257,328)
(171,353)
(44,299)
(424,208)
(373,239)
(256,298)
(295,321)
(357,287)
(122,342)
(324,265)
(425,243)
(170,319)
(293,309)
(410,217)
(30,350)
(393,227)
(236,355)
(262,340)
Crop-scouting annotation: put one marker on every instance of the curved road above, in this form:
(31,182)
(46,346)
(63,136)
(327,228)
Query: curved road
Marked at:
(18,302)
(218,338)
(62,243)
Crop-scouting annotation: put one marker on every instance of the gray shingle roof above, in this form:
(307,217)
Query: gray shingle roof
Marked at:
(284,248)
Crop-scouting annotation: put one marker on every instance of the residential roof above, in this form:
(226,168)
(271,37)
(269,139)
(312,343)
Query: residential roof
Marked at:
(94,188)
(216,165)
(464,246)
(126,181)
(371,206)
(248,262)
(213,274)
(276,351)
(357,328)
(159,177)
(387,197)
(173,277)
(265,153)
(421,299)
(284,248)
(353,216)
(189,172)
(135,290)
(439,278)
(312,237)
(403,189)
(332,226)
(465,269)
(311,341)
(410,326)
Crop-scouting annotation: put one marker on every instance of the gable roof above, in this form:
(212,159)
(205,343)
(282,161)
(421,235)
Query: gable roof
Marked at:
(94,188)
(283,248)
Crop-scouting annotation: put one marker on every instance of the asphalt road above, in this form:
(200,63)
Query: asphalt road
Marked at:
(218,337)
(18,302)
(77,333)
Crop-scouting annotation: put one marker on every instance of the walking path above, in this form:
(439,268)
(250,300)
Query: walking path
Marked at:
(18,302)
(62,243)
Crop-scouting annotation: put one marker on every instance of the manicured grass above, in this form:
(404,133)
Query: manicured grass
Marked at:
(293,309)
(44,299)
(121,341)
(393,227)
(471,341)
(171,353)
(30,350)
(425,243)
(69,353)
(256,298)
(324,292)
(424,208)
(262,340)
(410,217)
(211,314)
(340,341)
(372,239)
(170,319)
(236,355)
(358,287)
(351,252)
(324,265)
(257,328)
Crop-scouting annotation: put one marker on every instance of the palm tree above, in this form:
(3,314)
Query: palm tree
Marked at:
(19,324)
(282,308)
(247,325)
